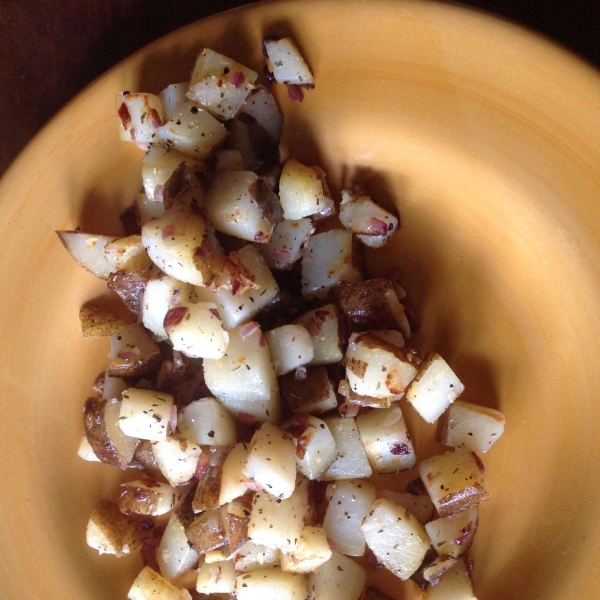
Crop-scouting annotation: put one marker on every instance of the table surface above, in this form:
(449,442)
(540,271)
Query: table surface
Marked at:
(50,50)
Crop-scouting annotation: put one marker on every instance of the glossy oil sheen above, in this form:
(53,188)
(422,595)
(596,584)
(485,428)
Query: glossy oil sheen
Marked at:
(486,137)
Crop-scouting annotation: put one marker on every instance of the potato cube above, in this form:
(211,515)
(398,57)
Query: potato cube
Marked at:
(177,458)
(453,535)
(271,463)
(99,322)
(113,387)
(147,209)
(470,426)
(172,96)
(291,347)
(220,84)
(286,63)
(149,585)
(233,473)
(386,440)
(208,531)
(339,577)
(396,537)
(323,325)
(420,506)
(261,105)
(86,451)
(140,116)
(206,496)
(217,555)
(253,557)
(352,461)
(207,422)
(216,578)
(454,584)
(238,518)
(174,555)
(145,414)
(313,394)
(287,243)
(111,532)
(300,190)
(228,160)
(127,254)
(87,249)
(434,388)
(133,353)
(312,551)
(348,506)
(454,481)
(148,497)
(433,572)
(271,584)
(327,261)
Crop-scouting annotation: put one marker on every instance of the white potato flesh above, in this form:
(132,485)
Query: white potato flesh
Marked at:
(244,379)
(174,555)
(327,261)
(113,387)
(386,440)
(217,555)
(216,578)
(127,253)
(199,333)
(373,225)
(182,244)
(147,209)
(300,190)
(312,551)
(160,295)
(453,536)
(291,347)
(454,584)
(396,537)
(109,531)
(149,585)
(228,160)
(271,463)
(233,208)
(254,557)
(262,106)
(207,422)
(233,474)
(242,306)
(192,130)
(323,326)
(470,426)
(87,249)
(315,446)
(125,445)
(348,506)
(140,116)
(148,497)
(177,458)
(434,389)
(271,584)
(145,414)
(420,506)
(338,578)
(454,481)
(352,461)
(132,352)
(172,96)
(220,84)
(85,451)
(287,243)
(286,63)
(376,367)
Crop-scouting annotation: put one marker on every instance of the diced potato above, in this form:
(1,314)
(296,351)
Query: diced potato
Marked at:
(174,555)
(271,463)
(313,394)
(286,63)
(454,481)
(85,451)
(244,379)
(375,367)
(99,322)
(111,532)
(207,422)
(349,505)
(323,326)
(453,535)
(386,440)
(183,245)
(145,414)
(396,537)
(148,497)
(238,518)
(127,253)
(147,209)
(220,84)
(437,568)
(113,387)
(228,160)
(256,146)
(140,116)
(327,261)
(287,243)
(247,286)
(192,130)
(88,251)
(208,531)
(160,295)
(271,584)
(312,551)
(233,474)
(216,555)
(133,353)
(177,458)
(253,557)
(216,578)
(420,506)
(454,584)
(300,190)
(172,96)
(261,105)
(470,426)
(206,496)
(149,585)
(291,347)
(352,461)
(434,388)
(315,446)
(338,578)
(372,224)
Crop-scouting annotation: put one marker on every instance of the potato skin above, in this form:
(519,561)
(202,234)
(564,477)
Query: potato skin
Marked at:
(94,427)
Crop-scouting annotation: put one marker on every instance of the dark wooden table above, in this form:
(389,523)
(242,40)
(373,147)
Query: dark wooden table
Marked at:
(51,49)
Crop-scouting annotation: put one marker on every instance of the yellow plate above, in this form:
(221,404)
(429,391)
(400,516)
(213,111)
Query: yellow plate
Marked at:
(487,138)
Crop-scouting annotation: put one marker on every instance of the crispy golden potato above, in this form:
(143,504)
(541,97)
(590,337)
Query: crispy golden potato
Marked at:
(99,322)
